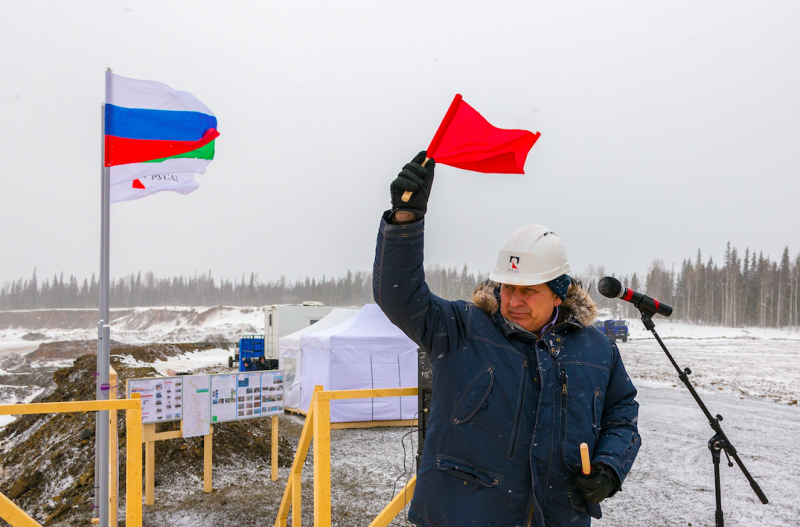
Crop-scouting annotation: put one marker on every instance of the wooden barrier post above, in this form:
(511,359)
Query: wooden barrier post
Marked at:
(133,480)
(291,496)
(207,449)
(275,439)
(14,515)
(322,460)
(113,452)
(318,426)
(397,504)
(149,433)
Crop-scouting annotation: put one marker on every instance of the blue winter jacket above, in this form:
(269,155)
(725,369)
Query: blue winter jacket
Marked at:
(508,411)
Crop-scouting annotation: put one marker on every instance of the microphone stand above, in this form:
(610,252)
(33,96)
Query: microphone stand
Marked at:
(719,442)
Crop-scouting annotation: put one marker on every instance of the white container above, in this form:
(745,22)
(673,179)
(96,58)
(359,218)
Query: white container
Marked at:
(282,320)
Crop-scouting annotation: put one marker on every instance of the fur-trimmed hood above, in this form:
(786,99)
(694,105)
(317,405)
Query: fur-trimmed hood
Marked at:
(578,303)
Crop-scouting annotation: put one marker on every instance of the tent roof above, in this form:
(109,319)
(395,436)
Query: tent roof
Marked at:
(332,319)
(369,327)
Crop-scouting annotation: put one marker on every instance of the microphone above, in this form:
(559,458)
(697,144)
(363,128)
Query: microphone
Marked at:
(611,287)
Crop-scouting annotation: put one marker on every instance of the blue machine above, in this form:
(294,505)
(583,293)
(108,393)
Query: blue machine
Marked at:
(249,347)
(613,329)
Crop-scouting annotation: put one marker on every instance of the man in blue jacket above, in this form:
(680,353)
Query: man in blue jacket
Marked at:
(520,380)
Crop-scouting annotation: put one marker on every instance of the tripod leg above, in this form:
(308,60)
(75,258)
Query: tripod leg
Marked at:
(716,445)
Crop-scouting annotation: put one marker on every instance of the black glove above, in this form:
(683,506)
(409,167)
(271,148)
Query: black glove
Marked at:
(599,485)
(417,179)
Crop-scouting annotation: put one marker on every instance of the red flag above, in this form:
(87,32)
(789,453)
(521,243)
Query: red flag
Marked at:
(466,140)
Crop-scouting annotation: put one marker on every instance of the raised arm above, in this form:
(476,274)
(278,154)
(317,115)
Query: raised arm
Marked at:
(399,287)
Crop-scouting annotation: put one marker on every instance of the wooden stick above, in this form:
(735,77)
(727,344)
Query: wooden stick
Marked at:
(133,480)
(407,194)
(275,439)
(586,465)
(322,461)
(207,453)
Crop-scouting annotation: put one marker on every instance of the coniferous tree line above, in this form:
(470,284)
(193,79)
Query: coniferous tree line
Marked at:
(742,290)
(146,290)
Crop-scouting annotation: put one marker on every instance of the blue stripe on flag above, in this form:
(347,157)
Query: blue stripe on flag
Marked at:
(165,125)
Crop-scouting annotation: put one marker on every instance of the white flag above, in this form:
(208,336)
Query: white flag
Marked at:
(182,183)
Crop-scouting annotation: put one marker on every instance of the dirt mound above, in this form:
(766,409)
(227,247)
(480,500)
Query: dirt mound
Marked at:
(48,460)
(34,336)
(55,318)
(71,349)
(65,349)
(153,352)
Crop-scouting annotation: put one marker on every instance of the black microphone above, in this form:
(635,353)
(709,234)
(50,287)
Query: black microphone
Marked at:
(611,288)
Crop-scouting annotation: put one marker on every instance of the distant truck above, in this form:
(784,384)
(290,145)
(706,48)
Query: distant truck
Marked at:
(613,329)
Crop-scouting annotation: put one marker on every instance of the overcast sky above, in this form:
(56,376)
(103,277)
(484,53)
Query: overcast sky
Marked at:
(666,127)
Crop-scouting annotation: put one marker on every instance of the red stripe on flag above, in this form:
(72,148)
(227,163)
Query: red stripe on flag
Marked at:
(122,151)
(628,295)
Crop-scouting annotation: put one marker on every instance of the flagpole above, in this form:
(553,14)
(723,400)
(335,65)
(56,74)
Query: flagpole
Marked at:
(96,498)
(104,340)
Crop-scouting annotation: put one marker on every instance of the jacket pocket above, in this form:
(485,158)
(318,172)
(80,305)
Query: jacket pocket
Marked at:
(576,501)
(627,457)
(512,449)
(474,396)
(467,471)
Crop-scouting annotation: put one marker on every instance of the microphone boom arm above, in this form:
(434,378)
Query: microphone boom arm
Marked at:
(720,441)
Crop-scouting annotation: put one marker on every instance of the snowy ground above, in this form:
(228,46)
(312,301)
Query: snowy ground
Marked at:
(751,376)
(671,483)
(768,369)
(681,330)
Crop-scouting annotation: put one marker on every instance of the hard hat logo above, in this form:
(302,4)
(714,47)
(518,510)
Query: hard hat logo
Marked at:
(544,254)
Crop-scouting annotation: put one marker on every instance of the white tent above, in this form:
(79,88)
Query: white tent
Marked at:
(366,351)
(289,353)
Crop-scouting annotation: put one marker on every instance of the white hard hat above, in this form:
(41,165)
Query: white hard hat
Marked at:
(532,255)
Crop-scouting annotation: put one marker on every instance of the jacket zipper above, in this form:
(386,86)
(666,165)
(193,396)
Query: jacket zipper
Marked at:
(512,449)
(564,391)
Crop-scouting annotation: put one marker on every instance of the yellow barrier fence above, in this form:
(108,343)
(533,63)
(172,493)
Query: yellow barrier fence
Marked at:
(10,512)
(318,428)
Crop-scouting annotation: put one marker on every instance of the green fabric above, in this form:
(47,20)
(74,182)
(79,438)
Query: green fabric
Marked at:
(204,152)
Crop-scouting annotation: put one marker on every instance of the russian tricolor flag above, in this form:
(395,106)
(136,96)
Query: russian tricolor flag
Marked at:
(151,128)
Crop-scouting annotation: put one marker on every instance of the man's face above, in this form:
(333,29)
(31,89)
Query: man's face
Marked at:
(529,306)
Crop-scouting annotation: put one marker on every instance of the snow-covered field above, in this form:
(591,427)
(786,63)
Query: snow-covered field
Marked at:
(751,376)
(681,330)
(751,381)
(671,484)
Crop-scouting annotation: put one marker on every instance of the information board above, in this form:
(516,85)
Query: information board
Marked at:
(223,398)
(271,392)
(248,394)
(196,405)
(200,400)
(162,398)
